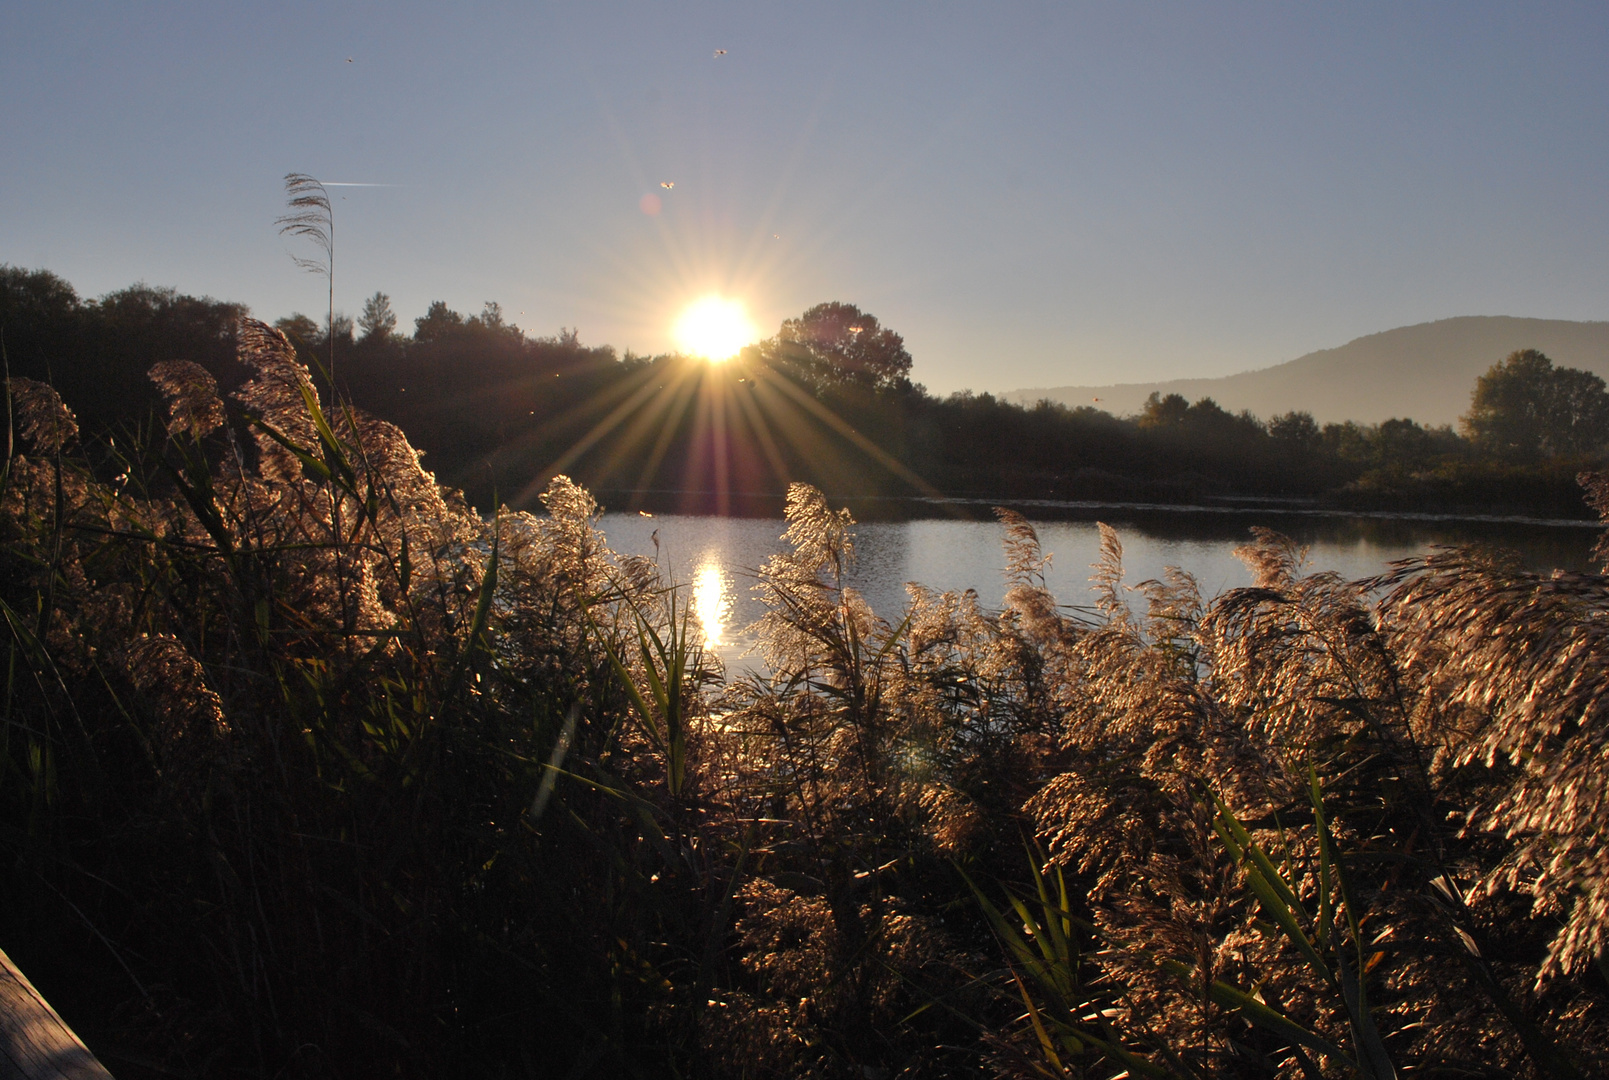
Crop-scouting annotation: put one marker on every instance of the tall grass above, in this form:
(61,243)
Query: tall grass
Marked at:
(309,769)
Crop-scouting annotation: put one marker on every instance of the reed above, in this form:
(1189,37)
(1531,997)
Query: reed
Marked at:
(307,768)
(310,216)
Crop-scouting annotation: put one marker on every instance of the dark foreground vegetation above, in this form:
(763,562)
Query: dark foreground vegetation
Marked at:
(308,770)
(828,400)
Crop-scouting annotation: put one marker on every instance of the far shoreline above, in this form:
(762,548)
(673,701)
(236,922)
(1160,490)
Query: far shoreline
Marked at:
(706,503)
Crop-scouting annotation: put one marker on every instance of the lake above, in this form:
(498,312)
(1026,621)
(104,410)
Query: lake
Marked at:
(717,556)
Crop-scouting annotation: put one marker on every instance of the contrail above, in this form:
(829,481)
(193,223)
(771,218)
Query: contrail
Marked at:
(346,183)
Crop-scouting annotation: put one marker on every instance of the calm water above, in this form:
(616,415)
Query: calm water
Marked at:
(717,556)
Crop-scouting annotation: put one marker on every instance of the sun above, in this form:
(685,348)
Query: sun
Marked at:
(714,328)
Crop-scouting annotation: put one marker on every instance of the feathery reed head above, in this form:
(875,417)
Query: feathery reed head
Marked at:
(194,408)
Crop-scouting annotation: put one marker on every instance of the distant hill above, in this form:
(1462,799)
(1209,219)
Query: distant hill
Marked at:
(1422,372)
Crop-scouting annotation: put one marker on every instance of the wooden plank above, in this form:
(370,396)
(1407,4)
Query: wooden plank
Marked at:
(35,1043)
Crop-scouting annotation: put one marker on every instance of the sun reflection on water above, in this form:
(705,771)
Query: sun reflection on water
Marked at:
(712,602)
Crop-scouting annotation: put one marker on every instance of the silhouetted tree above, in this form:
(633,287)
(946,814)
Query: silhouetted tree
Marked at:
(1403,443)
(34,295)
(838,343)
(1579,414)
(1349,442)
(377,321)
(1525,409)
(303,332)
(39,313)
(96,353)
(1208,417)
(490,320)
(1159,411)
(1295,432)
(439,321)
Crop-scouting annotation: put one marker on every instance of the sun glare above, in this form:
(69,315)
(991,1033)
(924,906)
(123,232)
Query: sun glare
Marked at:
(712,603)
(714,328)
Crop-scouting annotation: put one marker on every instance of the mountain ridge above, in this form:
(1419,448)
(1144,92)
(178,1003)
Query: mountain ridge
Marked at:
(1424,372)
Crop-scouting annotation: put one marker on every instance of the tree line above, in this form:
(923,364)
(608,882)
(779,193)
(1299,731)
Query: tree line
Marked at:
(827,400)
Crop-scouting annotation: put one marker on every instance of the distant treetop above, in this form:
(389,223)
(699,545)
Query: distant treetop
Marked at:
(378,321)
(1524,409)
(838,343)
(441,322)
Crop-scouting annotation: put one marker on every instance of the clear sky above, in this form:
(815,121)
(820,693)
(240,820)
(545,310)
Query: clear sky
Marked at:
(1033,194)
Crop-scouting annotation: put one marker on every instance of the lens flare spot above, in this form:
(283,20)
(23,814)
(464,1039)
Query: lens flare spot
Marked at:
(714,328)
(650,204)
(712,602)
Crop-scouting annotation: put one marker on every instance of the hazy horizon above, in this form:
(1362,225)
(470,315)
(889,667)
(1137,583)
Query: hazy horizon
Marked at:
(1031,196)
(1423,372)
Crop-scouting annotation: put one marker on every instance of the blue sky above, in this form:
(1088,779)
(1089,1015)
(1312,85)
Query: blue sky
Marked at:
(1033,194)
